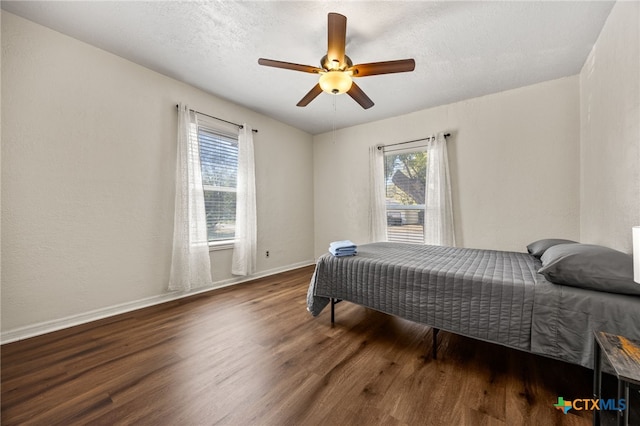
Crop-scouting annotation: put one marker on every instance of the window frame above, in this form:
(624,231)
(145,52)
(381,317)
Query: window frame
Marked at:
(214,128)
(410,149)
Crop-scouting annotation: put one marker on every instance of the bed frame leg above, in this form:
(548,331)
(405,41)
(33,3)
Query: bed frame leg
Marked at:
(334,301)
(434,346)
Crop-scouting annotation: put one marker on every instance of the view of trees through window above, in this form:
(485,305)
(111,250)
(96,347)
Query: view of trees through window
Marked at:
(219,163)
(405,178)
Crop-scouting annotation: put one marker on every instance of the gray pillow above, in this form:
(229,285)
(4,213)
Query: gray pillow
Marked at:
(590,266)
(537,248)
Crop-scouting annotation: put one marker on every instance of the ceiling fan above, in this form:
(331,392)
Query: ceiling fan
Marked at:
(337,70)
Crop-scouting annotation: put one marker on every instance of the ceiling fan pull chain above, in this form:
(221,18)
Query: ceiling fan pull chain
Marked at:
(334,120)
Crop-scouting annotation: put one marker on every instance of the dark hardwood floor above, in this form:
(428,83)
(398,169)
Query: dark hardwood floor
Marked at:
(251,355)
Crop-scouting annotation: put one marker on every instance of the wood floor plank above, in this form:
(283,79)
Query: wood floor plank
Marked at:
(252,355)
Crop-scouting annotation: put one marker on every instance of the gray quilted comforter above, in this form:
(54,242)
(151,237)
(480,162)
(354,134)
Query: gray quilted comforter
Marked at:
(489,295)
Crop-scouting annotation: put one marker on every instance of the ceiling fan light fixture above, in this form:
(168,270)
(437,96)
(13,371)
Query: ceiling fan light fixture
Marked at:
(335,82)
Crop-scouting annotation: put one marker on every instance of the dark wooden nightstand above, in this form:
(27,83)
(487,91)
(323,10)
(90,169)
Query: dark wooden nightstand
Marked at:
(624,356)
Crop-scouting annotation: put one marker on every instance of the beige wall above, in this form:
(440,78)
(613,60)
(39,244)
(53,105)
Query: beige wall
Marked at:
(514,167)
(88,160)
(610,132)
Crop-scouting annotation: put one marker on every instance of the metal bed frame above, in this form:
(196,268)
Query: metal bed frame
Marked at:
(434,345)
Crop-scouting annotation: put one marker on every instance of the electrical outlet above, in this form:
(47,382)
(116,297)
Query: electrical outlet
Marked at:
(267,253)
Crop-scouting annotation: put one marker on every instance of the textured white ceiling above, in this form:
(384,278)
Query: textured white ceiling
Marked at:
(462,49)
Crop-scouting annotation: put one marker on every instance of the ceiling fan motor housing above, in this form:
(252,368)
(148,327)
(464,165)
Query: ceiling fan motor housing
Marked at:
(335,65)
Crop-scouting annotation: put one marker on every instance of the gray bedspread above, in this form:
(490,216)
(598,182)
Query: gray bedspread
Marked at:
(489,295)
(484,294)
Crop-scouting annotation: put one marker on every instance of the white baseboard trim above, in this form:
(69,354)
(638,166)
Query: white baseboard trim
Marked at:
(38,329)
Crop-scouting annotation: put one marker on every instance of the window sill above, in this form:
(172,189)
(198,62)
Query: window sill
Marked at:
(221,245)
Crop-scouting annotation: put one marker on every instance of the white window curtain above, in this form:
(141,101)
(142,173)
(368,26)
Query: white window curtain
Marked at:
(190,262)
(377,206)
(438,221)
(244,248)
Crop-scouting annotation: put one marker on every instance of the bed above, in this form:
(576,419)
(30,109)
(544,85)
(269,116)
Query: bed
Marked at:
(495,296)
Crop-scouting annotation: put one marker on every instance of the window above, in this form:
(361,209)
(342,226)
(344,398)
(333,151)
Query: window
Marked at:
(219,163)
(405,180)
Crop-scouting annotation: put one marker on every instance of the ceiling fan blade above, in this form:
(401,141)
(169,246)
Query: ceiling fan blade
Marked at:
(288,66)
(337,39)
(387,67)
(313,93)
(359,96)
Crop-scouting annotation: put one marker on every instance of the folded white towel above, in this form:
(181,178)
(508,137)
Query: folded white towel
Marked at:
(343,248)
(342,244)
